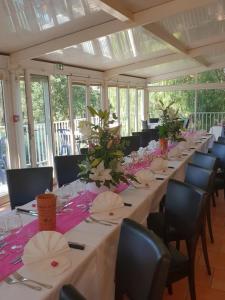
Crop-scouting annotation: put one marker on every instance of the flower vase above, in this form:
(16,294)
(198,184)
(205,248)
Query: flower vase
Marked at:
(93,188)
(163,146)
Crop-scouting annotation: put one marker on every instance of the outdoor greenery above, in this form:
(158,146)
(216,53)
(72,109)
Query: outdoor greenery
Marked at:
(208,100)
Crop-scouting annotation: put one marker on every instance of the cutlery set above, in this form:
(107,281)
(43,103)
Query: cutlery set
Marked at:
(19,279)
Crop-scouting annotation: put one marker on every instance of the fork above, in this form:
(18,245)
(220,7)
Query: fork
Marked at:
(104,221)
(88,220)
(13,281)
(20,278)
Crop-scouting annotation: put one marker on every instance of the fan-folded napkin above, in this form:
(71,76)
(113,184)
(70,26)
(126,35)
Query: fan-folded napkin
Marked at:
(106,201)
(158,164)
(144,177)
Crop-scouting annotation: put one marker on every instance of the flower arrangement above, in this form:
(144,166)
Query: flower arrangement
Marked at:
(171,124)
(103,164)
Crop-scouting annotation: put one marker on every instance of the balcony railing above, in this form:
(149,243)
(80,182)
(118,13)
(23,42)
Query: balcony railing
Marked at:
(205,120)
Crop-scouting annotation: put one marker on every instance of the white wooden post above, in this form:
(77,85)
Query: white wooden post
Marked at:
(145,112)
(71,114)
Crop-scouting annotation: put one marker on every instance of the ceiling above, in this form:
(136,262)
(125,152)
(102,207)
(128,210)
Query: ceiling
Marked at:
(150,39)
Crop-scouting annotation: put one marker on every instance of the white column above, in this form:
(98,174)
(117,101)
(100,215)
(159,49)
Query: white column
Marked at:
(145,112)
(105,98)
(128,109)
(88,97)
(118,103)
(136,109)
(71,114)
(9,96)
(196,103)
(30,118)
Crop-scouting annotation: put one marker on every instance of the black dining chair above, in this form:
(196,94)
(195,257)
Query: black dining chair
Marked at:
(68,292)
(25,184)
(67,168)
(183,219)
(142,263)
(209,162)
(221,140)
(218,150)
(148,135)
(131,143)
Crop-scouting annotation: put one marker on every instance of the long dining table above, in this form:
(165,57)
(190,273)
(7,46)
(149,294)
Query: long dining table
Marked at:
(92,270)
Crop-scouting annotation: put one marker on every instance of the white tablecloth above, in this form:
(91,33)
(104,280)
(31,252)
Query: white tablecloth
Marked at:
(92,270)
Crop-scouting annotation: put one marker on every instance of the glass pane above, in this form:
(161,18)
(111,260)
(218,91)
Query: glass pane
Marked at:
(60,115)
(42,120)
(79,108)
(3,145)
(140,108)
(210,109)
(95,100)
(112,99)
(133,120)
(26,143)
(123,111)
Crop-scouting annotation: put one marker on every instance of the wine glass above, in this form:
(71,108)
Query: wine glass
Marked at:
(3,233)
(14,225)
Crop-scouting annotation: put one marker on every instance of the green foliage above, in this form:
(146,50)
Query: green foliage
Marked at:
(105,152)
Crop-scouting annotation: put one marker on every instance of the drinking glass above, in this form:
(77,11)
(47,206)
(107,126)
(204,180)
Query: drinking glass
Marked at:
(3,233)
(14,225)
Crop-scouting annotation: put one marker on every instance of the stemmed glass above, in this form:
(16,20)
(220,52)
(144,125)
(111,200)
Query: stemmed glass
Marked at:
(14,225)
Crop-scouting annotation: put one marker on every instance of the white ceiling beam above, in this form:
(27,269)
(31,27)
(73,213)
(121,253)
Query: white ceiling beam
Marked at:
(185,72)
(116,9)
(142,64)
(188,87)
(206,49)
(147,16)
(165,36)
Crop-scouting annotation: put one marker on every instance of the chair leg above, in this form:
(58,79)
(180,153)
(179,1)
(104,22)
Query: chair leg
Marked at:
(178,244)
(170,290)
(217,194)
(213,200)
(191,282)
(205,251)
(208,216)
(118,294)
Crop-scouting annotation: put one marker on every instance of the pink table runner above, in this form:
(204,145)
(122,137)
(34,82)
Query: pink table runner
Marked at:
(65,222)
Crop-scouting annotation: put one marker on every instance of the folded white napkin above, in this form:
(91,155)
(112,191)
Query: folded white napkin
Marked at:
(44,250)
(144,177)
(106,201)
(152,145)
(158,164)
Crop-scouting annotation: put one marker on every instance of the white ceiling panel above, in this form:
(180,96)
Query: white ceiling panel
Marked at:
(110,51)
(25,23)
(165,68)
(199,26)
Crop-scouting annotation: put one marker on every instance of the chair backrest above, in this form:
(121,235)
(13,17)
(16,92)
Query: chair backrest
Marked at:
(221,140)
(148,135)
(205,160)
(218,150)
(67,168)
(142,263)
(144,124)
(199,177)
(68,292)
(184,208)
(25,184)
(132,143)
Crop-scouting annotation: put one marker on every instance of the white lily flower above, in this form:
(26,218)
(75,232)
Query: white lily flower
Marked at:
(100,173)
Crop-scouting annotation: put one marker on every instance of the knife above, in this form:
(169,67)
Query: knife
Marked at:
(26,211)
(76,246)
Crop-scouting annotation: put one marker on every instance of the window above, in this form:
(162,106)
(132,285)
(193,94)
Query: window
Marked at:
(60,115)
(124,111)
(3,145)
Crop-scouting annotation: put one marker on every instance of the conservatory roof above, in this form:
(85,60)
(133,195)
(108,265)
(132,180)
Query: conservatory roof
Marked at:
(152,39)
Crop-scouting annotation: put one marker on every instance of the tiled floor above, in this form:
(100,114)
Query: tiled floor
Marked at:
(208,287)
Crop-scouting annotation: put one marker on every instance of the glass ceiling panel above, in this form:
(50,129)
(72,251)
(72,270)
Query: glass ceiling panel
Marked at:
(169,67)
(200,26)
(27,22)
(114,50)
